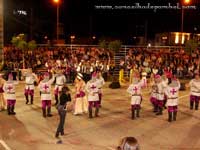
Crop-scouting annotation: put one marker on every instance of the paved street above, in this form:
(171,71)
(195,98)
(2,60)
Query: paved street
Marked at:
(28,130)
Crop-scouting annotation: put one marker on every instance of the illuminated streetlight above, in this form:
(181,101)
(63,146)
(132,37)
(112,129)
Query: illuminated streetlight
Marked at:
(57,20)
(94,37)
(56,1)
(184,2)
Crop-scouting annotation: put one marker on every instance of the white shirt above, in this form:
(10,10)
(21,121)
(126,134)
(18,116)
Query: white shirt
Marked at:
(92,87)
(10,89)
(195,87)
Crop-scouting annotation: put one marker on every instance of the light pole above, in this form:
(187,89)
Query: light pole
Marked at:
(184,3)
(57,20)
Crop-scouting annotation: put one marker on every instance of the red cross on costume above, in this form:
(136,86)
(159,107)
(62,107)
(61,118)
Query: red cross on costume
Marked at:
(45,87)
(173,91)
(93,87)
(10,88)
(135,89)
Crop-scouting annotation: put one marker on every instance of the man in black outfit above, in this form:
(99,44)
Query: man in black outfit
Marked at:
(64,98)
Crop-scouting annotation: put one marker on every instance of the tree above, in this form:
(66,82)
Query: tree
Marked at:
(103,44)
(20,42)
(114,45)
(32,45)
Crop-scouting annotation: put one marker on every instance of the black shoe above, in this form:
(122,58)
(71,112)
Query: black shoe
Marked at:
(49,112)
(133,114)
(12,110)
(90,112)
(174,117)
(159,111)
(197,106)
(62,133)
(44,113)
(31,100)
(169,116)
(49,115)
(155,109)
(138,113)
(27,101)
(191,105)
(97,112)
(57,135)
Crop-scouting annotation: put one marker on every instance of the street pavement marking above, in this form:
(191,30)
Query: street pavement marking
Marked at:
(5,145)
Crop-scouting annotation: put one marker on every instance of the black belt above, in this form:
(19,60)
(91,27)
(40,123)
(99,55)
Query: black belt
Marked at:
(173,98)
(159,93)
(45,93)
(11,93)
(136,95)
(59,84)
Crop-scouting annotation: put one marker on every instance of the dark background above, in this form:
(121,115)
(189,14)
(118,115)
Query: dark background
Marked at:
(80,18)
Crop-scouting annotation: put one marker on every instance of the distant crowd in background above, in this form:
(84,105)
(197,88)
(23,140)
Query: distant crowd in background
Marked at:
(167,63)
(88,59)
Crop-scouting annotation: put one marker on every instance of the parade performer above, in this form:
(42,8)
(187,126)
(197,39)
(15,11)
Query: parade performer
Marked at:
(45,89)
(60,81)
(171,92)
(2,100)
(144,78)
(135,90)
(81,103)
(30,78)
(64,98)
(160,94)
(195,92)
(153,97)
(92,88)
(165,82)
(101,82)
(10,89)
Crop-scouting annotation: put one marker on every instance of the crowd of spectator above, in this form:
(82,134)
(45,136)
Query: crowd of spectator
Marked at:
(177,62)
(88,59)
(81,59)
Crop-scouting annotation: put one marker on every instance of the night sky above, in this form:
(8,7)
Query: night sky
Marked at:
(83,19)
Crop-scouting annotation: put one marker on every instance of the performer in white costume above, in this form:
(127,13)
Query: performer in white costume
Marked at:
(10,89)
(60,81)
(135,90)
(101,82)
(195,92)
(30,78)
(81,103)
(165,82)
(92,87)
(153,97)
(160,94)
(171,92)
(45,89)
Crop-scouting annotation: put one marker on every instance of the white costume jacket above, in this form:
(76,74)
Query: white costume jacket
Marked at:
(92,87)
(135,91)
(172,94)
(45,89)
(10,89)
(195,87)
